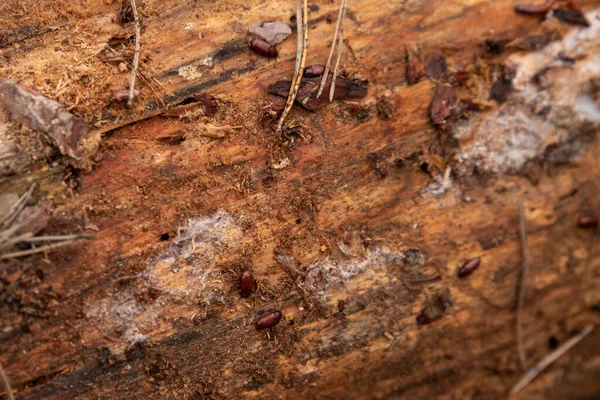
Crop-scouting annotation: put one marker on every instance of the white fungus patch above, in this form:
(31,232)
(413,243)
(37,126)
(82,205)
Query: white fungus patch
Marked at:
(193,254)
(187,269)
(121,312)
(553,118)
(331,273)
(196,69)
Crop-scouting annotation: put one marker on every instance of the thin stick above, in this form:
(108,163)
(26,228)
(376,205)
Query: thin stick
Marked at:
(300,35)
(339,53)
(5,235)
(335,35)
(136,56)
(301,20)
(16,208)
(520,350)
(59,237)
(6,384)
(549,359)
(36,250)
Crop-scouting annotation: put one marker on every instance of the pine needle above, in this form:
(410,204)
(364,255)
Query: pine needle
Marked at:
(301,21)
(6,384)
(549,359)
(136,56)
(520,349)
(16,208)
(42,249)
(339,53)
(335,35)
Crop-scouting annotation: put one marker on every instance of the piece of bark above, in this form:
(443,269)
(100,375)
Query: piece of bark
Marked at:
(415,68)
(443,106)
(344,89)
(272,32)
(436,68)
(288,263)
(63,129)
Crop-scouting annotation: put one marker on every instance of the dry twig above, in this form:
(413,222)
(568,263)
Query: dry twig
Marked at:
(339,53)
(549,359)
(136,56)
(13,233)
(6,384)
(520,350)
(301,21)
(16,208)
(42,249)
(340,18)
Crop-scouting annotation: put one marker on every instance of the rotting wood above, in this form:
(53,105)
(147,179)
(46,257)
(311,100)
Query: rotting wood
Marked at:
(71,328)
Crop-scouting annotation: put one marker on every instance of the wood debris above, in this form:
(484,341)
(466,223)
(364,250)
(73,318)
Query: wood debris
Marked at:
(444,106)
(346,88)
(21,224)
(66,131)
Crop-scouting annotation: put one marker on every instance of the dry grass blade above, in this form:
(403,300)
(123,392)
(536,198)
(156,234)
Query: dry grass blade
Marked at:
(16,208)
(520,349)
(6,384)
(339,53)
(549,359)
(136,56)
(301,20)
(335,35)
(42,249)
(6,235)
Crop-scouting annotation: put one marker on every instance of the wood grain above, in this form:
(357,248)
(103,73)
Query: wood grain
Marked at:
(131,315)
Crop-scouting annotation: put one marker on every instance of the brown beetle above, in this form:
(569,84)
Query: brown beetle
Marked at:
(313,71)
(264,48)
(468,267)
(588,222)
(246,284)
(269,320)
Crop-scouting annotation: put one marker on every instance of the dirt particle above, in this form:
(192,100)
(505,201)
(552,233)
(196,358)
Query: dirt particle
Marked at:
(415,68)
(496,45)
(501,90)
(385,108)
(437,305)
(436,68)
(414,257)
(135,351)
(571,17)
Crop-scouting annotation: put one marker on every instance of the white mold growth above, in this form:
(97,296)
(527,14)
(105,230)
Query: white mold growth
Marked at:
(194,254)
(552,115)
(330,273)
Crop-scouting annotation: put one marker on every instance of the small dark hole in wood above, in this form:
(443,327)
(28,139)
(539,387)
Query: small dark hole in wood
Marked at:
(552,343)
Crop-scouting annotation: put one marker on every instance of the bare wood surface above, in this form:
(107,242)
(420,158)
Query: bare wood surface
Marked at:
(151,307)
